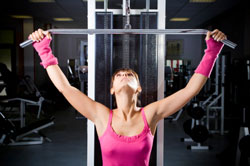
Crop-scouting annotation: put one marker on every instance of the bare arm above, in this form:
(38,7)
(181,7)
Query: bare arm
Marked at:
(171,104)
(82,103)
(168,106)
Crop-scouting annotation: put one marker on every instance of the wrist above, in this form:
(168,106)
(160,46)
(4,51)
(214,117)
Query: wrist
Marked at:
(43,46)
(45,52)
(213,47)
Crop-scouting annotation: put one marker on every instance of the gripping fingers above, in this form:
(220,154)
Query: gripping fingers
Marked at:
(218,35)
(208,35)
(222,37)
(48,35)
(34,37)
(39,35)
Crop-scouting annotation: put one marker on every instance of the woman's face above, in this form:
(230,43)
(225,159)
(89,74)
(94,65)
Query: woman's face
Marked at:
(125,78)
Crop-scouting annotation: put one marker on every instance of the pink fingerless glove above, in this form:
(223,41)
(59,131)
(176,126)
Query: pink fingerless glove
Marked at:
(45,52)
(211,53)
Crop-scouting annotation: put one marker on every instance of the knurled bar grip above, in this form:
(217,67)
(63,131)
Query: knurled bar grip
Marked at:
(130,31)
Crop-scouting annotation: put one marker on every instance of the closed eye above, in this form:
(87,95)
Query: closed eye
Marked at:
(118,75)
(130,75)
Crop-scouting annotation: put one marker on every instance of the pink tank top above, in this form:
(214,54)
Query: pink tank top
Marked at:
(118,150)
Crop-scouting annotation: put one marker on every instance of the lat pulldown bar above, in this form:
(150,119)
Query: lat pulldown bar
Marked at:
(130,31)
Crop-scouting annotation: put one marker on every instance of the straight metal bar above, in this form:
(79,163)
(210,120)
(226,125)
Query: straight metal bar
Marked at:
(132,11)
(130,31)
(204,103)
(215,100)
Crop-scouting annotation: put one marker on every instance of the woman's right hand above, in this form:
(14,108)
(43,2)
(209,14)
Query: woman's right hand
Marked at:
(39,34)
(42,46)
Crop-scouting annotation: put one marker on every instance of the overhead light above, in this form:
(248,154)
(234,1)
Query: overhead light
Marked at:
(42,1)
(21,16)
(202,1)
(179,19)
(63,19)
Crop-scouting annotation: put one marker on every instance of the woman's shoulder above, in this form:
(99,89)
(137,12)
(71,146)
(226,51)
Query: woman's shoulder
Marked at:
(102,111)
(149,111)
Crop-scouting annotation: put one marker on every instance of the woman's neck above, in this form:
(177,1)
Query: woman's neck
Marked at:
(126,105)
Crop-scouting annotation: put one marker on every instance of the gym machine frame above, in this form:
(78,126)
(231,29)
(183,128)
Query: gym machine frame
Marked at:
(211,103)
(23,103)
(161,31)
(19,136)
(91,69)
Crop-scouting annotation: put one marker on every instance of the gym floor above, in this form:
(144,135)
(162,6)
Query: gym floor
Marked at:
(69,145)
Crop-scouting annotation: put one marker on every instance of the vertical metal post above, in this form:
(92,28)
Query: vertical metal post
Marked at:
(223,66)
(217,77)
(124,7)
(161,6)
(105,5)
(208,118)
(126,38)
(126,12)
(147,5)
(248,70)
(22,110)
(82,60)
(91,81)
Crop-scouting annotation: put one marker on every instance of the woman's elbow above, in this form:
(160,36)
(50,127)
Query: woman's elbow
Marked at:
(192,91)
(64,89)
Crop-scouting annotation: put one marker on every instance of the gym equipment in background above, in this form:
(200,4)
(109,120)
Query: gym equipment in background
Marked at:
(195,111)
(177,76)
(215,103)
(150,65)
(195,127)
(78,75)
(243,148)
(11,135)
(29,95)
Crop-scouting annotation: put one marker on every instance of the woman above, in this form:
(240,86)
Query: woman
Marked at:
(126,133)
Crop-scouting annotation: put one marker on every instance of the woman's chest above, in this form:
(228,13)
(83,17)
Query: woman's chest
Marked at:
(128,128)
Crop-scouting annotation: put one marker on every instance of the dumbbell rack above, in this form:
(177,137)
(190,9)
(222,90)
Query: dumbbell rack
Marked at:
(199,146)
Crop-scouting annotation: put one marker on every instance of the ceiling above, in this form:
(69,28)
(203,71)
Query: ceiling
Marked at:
(77,10)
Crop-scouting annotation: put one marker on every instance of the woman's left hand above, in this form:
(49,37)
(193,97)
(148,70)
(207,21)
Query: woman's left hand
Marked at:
(216,35)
